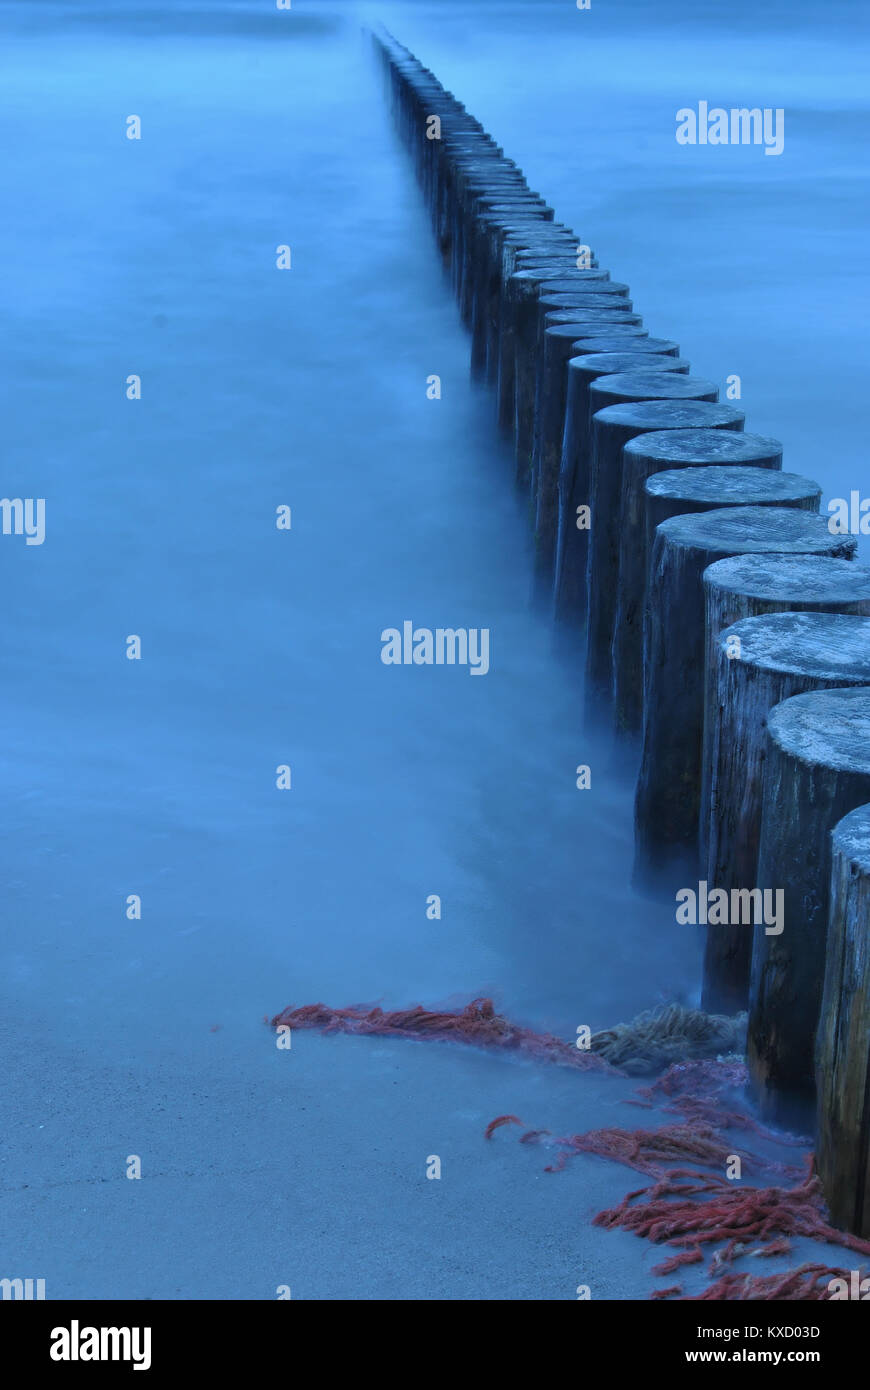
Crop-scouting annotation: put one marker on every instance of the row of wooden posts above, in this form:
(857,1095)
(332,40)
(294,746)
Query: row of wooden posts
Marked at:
(726,629)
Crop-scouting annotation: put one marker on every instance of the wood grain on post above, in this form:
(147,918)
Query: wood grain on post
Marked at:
(667,801)
(816,771)
(843,1040)
(679,491)
(758,662)
(610,339)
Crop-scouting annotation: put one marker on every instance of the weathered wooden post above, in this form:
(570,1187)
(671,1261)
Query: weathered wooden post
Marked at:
(642,458)
(468,228)
(843,1040)
(817,770)
(757,663)
(745,586)
(550,404)
(490,233)
(572,525)
(558,347)
(677,492)
(518,305)
(486,237)
(605,492)
(667,801)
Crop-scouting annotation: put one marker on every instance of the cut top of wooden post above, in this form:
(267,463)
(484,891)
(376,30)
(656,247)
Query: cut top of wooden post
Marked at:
(630,386)
(637,416)
(612,341)
(739,485)
(595,364)
(696,448)
(823,647)
(559,275)
(780,580)
(743,530)
(561,293)
(825,729)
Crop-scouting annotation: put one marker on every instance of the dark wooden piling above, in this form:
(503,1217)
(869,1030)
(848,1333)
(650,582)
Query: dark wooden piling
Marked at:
(816,771)
(572,532)
(745,586)
(531,364)
(642,458)
(756,664)
(481,269)
(549,426)
(605,492)
(667,800)
(678,492)
(518,307)
(623,423)
(842,1066)
(493,233)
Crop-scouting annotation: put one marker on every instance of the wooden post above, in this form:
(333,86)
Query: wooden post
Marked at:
(817,770)
(605,492)
(677,492)
(550,407)
(490,233)
(667,801)
(757,663)
(572,531)
(843,1041)
(487,234)
(619,424)
(518,304)
(528,369)
(745,586)
(642,457)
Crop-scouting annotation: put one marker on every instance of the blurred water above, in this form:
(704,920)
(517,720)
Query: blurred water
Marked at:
(262,647)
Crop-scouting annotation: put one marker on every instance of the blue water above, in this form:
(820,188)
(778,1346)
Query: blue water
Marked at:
(261,647)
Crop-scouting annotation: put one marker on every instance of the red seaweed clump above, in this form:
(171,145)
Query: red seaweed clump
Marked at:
(651,1151)
(477,1024)
(809,1281)
(738,1215)
(685,1209)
